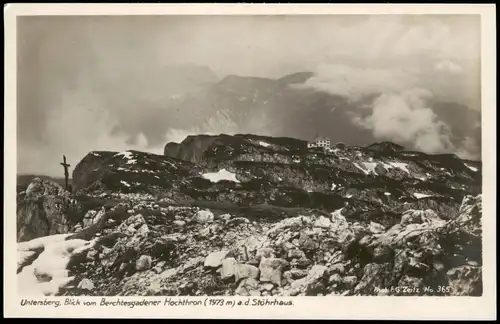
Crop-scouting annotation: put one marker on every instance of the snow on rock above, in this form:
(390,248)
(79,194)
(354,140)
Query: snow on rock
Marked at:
(471,167)
(333,186)
(48,273)
(222,174)
(370,166)
(264,144)
(360,168)
(420,195)
(387,193)
(399,165)
(125,183)
(126,154)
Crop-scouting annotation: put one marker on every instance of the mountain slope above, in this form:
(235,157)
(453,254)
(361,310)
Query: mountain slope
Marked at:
(256,215)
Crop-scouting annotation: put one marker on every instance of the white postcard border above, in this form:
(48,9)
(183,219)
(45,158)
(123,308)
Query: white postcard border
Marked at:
(420,308)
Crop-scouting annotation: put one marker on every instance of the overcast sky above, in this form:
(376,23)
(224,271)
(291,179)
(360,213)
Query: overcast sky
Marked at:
(76,73)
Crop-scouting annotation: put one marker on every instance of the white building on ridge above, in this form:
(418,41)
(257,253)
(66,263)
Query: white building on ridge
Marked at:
(323,142)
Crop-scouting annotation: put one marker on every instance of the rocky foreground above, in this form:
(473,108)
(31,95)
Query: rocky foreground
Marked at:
(255,216)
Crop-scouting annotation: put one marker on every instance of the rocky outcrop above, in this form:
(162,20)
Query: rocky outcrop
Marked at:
(43,210)
(263,216)
(129,171)
(148,254)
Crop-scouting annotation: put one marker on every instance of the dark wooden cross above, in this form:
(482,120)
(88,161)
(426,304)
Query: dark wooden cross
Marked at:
(66,174)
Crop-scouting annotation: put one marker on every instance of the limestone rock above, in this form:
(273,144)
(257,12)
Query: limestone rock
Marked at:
(44,210)
(203,216)
(323,222)
(376,228)
(179,223)
(465,280)
(264,253)
(295,254)
(246,271)
(271,270)
(86,284)
(248,287)
(143,263)
(228,268)
(237,221)
(350,281)
(214,259)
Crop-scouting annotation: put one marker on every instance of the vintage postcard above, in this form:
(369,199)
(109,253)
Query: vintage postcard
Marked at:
(250,161)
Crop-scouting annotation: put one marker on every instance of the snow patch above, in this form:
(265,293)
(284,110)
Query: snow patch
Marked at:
(222,174)
(125,183)
(333,186)
(400,165)
(48,273)
(370,166)
(420,195)
(359,167)
(126,154)
(471,167)
(387,193)
(41,242)
(264,144)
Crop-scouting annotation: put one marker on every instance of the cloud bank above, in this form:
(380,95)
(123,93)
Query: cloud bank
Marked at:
(105,83)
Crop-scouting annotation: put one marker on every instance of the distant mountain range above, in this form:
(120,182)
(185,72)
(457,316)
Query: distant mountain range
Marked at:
(283,107)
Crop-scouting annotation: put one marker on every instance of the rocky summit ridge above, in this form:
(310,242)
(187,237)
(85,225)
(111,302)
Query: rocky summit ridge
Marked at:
(255,216)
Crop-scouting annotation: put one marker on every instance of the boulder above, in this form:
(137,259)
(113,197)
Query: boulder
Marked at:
(44,210)
(246,271)
(271,270)
(203,217)
(86,284)
(228,268)
(143,263)
(248,287)
(323,222)
(214,259)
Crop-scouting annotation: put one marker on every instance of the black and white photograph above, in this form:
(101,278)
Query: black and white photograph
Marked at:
(271,155)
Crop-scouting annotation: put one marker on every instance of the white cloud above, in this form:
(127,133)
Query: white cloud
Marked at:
(88,75)
(448,66)
(404,117)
